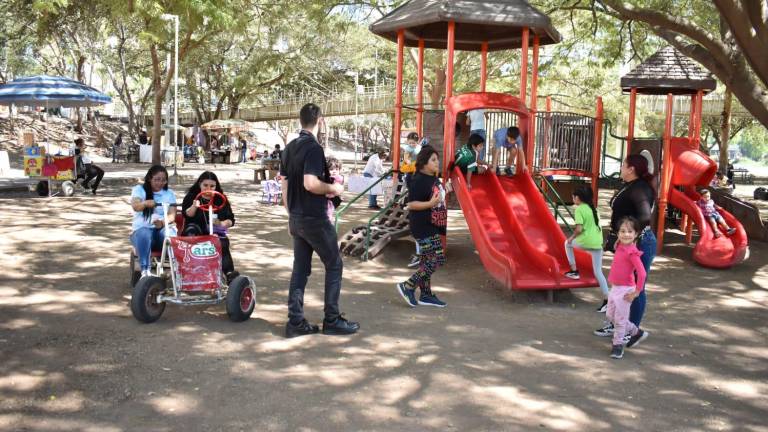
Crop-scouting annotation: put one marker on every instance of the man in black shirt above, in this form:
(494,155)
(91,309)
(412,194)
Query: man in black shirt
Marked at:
(305,196)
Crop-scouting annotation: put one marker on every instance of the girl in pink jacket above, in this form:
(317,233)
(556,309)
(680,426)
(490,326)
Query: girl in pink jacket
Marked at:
(624,286)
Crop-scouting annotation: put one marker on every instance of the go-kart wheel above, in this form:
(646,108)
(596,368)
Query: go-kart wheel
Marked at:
(135,270)
(144,303)
(241,299)
(68,188)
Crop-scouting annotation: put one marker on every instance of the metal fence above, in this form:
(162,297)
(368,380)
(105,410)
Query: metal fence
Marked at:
(564,141)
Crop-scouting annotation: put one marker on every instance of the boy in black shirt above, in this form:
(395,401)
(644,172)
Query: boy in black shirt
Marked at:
(302,169)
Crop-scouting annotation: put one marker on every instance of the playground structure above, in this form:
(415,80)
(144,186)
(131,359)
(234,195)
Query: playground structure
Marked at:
(518,239)
(682,168)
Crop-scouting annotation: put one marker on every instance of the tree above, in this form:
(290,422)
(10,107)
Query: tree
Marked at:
(728,37)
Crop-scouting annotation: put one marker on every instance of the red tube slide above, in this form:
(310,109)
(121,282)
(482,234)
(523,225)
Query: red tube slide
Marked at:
(694,170)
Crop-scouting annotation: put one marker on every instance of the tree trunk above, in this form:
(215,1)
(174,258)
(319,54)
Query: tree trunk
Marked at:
(725,130)
(80,77)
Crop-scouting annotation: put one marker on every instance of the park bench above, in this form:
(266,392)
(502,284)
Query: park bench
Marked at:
(743,176)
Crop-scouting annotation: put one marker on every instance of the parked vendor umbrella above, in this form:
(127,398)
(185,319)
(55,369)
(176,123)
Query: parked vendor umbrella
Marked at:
(231,124)
(49,91)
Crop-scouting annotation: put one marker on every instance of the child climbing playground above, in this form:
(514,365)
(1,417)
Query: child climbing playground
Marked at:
(428,219)
(587,236)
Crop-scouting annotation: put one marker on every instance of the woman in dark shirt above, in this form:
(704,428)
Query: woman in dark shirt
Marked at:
(427,216)
(196,220)
(636,198)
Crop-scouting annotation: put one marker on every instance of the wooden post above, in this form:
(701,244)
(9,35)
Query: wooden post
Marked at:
(420,91)
(631,125)
(666,173)
(483,65)
(597,148)
(524,66)
(398,101)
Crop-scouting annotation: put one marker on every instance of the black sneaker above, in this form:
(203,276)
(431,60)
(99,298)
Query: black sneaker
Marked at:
(340,326)
(231,276)
(414,262)
(603,307)
(431,300)
(408,294)
(637,338)
(301,329)
(604,331)
(374,207)
(731,231)
(573,274)
(617,351)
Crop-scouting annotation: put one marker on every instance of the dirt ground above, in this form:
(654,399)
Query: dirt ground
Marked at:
(74,359)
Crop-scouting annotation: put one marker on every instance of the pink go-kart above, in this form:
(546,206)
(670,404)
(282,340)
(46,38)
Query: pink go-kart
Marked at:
(192,275)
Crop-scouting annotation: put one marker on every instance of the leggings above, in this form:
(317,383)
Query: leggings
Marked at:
(597,263)
(432,257)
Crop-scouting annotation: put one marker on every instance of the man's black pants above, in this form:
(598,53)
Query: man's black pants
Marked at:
(314,234)
(91,172)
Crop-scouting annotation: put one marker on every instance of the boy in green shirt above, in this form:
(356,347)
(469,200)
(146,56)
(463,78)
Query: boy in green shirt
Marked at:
(466,157)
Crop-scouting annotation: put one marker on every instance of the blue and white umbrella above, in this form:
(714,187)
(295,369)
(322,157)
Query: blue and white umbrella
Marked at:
(49,91)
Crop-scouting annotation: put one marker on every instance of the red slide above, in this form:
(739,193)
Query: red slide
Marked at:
(518,239)
(693,170)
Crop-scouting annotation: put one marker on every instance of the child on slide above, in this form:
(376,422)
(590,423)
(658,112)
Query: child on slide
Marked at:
(587,236)
(711,214)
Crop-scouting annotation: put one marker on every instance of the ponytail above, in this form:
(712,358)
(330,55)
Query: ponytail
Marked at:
(640,164)
(584,193)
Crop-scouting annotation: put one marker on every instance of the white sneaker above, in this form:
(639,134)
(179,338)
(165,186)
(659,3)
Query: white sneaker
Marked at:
(146,273)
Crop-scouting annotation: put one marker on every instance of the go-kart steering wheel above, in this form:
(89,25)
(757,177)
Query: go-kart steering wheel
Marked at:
(214,194)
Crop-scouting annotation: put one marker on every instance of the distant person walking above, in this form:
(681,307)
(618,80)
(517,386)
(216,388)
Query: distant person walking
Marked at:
(116,146)
(305,195)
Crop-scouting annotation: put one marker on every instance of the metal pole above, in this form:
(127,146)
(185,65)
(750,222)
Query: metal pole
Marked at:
(175,91)
(524,66)
(396,127)
(631,126)
(357,120)
(420,91)
(483,65)
(666,173)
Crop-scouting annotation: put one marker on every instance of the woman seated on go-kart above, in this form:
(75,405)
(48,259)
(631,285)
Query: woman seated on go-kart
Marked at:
(148,219)
(196,219)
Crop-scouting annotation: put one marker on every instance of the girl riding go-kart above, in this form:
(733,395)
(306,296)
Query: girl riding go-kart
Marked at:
(196,222)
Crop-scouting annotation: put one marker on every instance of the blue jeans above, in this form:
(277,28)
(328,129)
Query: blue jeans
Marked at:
(314,235)
(371,197)
(647,246)
(145,240)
